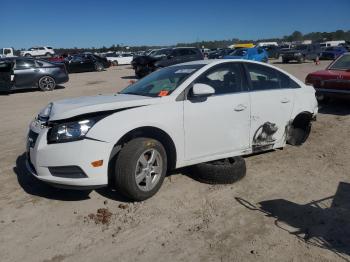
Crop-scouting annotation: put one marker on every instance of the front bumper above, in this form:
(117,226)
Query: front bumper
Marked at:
(291,56)
(41,157)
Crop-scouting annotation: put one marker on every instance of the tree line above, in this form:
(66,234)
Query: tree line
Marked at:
(295,36)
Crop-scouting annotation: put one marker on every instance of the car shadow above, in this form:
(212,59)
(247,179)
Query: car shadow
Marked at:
(129,77)
(324,223)
(28,90)
(336,106)
(35,187)
(290,62)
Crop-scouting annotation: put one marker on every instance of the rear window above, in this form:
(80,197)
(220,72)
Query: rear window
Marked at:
(267,78)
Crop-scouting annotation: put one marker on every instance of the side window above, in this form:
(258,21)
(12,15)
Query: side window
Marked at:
(224,78)
(260,50)
(262,77)
(77,59)
(25,64)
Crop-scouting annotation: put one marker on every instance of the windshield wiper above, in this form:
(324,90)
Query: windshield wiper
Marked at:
(134,93)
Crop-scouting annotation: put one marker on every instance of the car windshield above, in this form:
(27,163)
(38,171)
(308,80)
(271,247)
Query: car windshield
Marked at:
(343,63)
(239,52)
(301,47)
(162,82)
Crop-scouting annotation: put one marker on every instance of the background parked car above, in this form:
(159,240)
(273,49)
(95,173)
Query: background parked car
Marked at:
(220,53)
(301,53)
(86,63)
(6,52)
(144,65)
(331,53)
(38,51)
(333,81)
(120,59)
(254,53)
(32,73)
(273,51)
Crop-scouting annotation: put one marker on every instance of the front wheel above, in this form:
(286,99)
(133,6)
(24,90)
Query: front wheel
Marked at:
(47,83)
(140,168)
(98,67)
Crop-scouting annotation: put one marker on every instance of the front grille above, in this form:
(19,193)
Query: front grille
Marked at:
(67,171)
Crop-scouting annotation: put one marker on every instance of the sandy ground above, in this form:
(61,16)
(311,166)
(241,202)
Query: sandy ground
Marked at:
(293,204)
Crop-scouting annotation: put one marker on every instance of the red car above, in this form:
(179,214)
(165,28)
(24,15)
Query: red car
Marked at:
(334,81)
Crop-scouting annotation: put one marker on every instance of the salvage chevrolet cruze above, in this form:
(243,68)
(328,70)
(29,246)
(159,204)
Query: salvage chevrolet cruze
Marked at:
(177,116)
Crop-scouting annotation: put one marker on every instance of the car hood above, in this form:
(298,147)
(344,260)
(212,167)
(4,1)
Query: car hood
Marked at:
(67,108)
(329,74)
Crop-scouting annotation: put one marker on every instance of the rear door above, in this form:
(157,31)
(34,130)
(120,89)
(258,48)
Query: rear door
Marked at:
(25,73)
(6,75)
(218,124)
(272,102)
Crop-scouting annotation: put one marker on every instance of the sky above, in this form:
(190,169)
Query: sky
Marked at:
(88,23)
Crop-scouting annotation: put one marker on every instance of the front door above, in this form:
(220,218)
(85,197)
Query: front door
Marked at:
(25,73)
(272,102)
(6,74)
(218,124)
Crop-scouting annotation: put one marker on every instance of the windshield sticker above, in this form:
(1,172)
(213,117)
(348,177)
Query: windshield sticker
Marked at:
(163,93)
(185,71)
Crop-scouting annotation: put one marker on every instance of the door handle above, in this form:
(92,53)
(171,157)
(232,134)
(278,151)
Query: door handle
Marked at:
(240,107)
(285,100)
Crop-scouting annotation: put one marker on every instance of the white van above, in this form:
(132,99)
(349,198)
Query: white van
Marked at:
(332,43)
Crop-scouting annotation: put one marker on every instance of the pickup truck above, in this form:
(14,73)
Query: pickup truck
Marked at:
(6,52)
(302,52)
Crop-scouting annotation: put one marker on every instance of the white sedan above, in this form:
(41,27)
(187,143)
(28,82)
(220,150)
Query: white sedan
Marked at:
(120,59)
(177,116)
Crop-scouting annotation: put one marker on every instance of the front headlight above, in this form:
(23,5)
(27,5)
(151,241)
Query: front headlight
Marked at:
(72,131)
(45,113)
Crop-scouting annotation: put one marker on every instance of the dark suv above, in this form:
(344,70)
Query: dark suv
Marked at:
(143,65)
(301,53)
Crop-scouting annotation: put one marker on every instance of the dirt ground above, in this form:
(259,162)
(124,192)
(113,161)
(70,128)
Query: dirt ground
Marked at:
(293,204)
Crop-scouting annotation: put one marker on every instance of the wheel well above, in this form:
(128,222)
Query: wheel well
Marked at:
(299,129)
(150,132)
(302,120)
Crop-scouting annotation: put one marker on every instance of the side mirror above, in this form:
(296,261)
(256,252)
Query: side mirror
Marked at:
(202,90)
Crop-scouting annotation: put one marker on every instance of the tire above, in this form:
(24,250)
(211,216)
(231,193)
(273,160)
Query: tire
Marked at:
(298,136)
(277,56)
(301,59)
(225,171)
(27,55)
(99,67)
(47,83)
(48,55)
(115,63)
(284,61)
(134,157)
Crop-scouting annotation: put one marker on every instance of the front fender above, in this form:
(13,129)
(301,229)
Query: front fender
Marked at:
(165,116)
